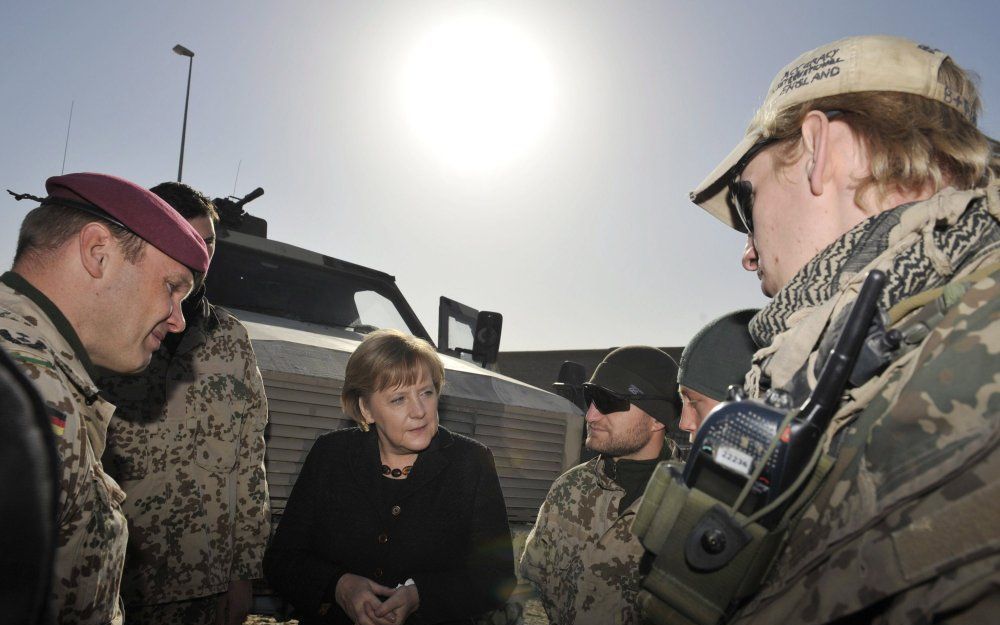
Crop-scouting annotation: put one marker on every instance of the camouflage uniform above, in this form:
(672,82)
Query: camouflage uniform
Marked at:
(92,533)
(906,527)
(187,445)
(582,554)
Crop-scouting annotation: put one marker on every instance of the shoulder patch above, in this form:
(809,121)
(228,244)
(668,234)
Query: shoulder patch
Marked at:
(58,420)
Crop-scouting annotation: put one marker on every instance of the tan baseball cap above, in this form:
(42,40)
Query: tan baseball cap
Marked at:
(869,63)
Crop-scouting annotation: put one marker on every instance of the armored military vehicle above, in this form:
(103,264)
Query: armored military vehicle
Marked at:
(307,312)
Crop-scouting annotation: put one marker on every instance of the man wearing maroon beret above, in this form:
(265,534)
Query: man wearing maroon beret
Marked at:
(99,274)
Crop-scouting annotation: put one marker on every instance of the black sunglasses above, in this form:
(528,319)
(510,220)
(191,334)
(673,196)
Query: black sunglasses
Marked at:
(740,200)
(740,197)
(607,401)
(741,194)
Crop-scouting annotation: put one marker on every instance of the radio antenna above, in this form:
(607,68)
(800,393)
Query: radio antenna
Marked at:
(68,126)
(238,165)
(822,402)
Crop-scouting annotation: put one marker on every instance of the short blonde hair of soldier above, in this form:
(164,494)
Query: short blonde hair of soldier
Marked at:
(913,143)
(387,359)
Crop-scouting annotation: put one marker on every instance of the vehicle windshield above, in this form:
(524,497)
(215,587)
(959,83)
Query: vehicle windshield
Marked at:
(268,284)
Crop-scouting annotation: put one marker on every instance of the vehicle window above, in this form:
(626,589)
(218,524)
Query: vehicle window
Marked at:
(376,311)
(460,335)
(249,280)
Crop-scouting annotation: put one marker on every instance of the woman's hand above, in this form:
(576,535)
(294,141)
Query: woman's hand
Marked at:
(398,607)
(359,598)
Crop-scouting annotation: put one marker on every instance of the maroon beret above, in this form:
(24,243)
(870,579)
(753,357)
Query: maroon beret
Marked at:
(139,210)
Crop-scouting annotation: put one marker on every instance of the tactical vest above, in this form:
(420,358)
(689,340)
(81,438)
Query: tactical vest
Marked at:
(686,527)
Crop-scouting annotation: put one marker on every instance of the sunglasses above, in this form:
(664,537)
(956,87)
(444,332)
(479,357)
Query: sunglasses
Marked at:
(741,194)
(607,401)
(740,200)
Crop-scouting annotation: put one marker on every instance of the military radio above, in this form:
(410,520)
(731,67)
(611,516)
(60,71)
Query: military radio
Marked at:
(739,439)
(716,522)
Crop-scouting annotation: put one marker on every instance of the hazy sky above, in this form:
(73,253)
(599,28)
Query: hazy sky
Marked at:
(532,158)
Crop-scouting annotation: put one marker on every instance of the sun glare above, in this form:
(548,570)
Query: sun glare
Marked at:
(478,92)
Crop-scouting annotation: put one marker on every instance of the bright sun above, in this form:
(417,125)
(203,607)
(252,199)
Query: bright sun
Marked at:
(478,92)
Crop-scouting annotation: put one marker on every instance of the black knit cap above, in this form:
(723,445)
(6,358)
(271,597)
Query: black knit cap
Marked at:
(637,370)
(719,355)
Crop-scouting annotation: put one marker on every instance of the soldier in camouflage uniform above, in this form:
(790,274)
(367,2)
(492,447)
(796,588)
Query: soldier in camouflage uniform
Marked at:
(95,242)
(582,555)
(866,156)
(187,446)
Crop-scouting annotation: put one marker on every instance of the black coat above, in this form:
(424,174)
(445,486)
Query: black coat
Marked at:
(448,532)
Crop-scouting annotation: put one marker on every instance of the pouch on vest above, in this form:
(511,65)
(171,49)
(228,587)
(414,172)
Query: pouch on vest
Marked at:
(708,559)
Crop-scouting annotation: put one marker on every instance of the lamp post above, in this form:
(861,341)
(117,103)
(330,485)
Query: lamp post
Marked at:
(181,50)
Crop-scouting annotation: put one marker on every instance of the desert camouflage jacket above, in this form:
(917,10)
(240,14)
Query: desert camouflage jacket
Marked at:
(582,555)
(187,445)
(906,526)
(92,533)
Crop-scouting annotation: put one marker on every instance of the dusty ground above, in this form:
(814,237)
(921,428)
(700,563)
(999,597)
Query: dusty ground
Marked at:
(533,612)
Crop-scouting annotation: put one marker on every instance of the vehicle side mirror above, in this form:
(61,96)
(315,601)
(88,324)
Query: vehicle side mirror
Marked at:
(486,339)
(483,327)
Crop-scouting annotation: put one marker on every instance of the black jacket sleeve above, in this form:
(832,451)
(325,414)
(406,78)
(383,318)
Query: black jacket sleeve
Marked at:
(293,565)
(483,577)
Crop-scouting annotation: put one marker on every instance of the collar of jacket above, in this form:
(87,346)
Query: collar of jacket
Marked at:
(58,319)
(366,463)
(202,319)
(79,370)
(604,467)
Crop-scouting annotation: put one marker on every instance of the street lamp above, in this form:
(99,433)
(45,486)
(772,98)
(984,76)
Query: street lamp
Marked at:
(181,50)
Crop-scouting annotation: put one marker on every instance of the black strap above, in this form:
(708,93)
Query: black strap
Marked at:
(86,207)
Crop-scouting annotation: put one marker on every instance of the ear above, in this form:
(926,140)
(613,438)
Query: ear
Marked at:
(655,425)
(816,144)
(366,413)
(96,246)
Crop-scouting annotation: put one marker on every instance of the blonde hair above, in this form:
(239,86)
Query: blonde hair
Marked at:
(913,143)
(387,359)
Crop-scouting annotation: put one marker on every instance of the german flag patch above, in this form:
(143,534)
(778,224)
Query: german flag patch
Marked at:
(58,420)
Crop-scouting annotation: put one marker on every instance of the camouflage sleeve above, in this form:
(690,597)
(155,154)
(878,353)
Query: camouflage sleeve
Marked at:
(539,557)
(253,514)
(945,447)
(75,596)
(537,547)
(69,432)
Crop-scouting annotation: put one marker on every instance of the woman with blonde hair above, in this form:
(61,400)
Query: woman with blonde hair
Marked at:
(397,516)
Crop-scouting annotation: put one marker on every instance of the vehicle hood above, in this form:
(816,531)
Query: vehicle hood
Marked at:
(296,347)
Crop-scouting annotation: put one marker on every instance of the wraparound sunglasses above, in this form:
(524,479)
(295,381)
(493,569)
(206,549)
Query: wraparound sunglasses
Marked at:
(607,401)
